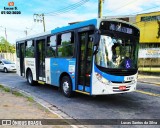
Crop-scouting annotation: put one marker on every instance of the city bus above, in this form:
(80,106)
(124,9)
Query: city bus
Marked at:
(94,57)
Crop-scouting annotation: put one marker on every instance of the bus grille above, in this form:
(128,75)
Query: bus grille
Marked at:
(121,81)
(116,89)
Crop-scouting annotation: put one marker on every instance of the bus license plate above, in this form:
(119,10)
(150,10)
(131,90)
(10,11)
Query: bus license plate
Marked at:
(122,88)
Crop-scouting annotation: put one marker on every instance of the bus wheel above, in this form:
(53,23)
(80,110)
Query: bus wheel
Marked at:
(30,78)
(66,86)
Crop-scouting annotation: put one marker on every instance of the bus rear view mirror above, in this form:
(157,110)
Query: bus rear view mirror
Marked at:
(96,37)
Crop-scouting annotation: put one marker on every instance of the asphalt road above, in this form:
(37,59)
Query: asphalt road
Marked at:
(134,105)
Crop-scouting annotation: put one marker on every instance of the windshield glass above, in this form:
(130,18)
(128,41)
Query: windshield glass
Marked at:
(117,52)
(7,62)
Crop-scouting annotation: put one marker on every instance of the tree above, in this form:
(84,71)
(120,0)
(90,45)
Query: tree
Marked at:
(5,46)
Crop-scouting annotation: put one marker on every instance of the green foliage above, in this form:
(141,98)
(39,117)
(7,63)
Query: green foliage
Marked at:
(5,46)
(66,49)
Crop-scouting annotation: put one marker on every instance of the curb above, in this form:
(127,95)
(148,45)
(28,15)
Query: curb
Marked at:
(158,84)
(53,109)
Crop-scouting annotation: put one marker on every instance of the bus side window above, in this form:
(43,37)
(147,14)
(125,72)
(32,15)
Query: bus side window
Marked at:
(66,45)
(17,49)
(51,46)
(29,49)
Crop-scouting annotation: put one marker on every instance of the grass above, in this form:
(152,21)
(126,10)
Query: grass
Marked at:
(5,88)
(29,98)
(16,93)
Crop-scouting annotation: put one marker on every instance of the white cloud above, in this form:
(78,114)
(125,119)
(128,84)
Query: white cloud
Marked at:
(16,25)
(125,7)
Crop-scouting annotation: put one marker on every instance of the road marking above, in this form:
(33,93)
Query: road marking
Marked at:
(153,83)
(148,93)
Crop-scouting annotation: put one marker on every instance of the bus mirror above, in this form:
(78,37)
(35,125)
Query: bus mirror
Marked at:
(96,38)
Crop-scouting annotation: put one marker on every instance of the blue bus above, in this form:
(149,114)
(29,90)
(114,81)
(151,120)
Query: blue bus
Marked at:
(94,57)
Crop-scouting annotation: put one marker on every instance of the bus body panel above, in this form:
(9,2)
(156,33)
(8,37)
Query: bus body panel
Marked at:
(48,70)
(18,66)
(30,63)
(62,65)
(103,83)
(86,88)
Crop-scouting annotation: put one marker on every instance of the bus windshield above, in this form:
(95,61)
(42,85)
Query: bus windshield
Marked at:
(117,52)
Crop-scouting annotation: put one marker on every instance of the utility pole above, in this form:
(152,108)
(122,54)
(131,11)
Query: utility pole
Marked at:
(100,4)
(5,33)
(43,23)
(40,18)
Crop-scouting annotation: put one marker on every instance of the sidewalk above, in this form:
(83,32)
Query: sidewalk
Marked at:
(153,79)
(14,105)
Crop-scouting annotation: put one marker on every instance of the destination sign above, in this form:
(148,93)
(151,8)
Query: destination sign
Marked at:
(120,28)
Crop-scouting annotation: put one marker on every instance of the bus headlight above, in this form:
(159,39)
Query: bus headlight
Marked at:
(102,79)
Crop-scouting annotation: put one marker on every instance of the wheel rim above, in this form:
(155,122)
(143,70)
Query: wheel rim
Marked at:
(66,87)
(5,70)
(30,78)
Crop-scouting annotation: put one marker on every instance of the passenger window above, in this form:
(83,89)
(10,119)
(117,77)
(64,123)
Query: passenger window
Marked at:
(17,49)
(51,46)
(30,49)
(66,45)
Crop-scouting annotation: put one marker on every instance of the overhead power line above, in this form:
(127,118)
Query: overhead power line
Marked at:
(145,10)
(67,9)
(128,3)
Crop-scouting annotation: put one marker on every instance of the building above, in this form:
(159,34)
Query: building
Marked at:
(127,18)
(149,52)
(149,25)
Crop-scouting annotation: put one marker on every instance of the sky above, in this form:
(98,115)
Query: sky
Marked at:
(58,13)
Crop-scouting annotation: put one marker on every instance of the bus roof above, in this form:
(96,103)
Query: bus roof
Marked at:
(56,30)
(33,36)
(73,26)
(70,27)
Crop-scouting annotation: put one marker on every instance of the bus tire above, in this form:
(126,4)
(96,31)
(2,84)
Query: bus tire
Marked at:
(66,86)
(30,77)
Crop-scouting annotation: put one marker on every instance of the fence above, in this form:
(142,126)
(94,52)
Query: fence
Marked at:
(8,56)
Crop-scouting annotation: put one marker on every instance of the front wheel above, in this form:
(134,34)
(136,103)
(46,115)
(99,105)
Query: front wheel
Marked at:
(5,70)
(30,78)
(66,86)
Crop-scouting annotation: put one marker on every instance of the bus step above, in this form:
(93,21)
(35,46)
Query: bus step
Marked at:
(41,82)
(82,92)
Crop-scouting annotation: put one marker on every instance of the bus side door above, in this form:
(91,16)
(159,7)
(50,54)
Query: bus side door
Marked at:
(40,59)
(22,54)
(85,52)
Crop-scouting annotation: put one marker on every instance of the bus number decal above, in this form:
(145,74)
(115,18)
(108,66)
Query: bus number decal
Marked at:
(71,67)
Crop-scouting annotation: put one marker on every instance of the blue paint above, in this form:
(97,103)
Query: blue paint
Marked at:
(80,87)
(108,76)
(87,89)
(74,26)
(59,66)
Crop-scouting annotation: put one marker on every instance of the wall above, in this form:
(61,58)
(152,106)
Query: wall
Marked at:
(8,56)
(150,28)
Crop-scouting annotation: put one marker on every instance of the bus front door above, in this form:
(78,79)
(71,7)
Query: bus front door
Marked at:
(85,61)
(22,52)
(40,59)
